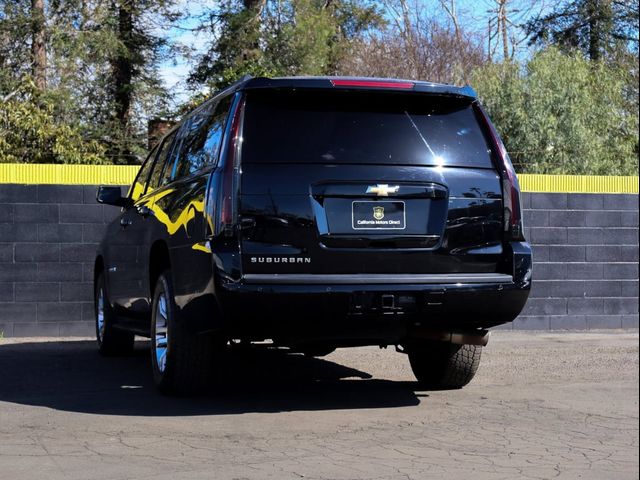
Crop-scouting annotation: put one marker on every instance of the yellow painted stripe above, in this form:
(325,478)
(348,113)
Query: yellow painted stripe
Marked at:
(29,174)
(124,174)
(577,184)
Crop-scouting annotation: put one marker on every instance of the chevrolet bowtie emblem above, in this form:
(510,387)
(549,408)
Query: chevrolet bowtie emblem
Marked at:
(383,190)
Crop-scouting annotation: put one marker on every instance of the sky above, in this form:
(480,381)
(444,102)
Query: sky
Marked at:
(473,14)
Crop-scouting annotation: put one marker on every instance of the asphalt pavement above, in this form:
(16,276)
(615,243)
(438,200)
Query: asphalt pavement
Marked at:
(543,405)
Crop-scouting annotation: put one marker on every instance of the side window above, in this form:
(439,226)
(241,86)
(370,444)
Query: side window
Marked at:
(202,138)
(158,175)
(138,187)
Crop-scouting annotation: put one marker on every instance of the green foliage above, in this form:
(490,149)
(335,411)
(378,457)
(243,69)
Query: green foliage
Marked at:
(31,131)
(563,114)
(280,38)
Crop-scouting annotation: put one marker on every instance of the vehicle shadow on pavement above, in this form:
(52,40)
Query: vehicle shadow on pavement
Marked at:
(71,376)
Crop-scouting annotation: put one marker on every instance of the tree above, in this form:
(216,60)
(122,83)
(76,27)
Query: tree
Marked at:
(38,47)
(596,27)
(416,45)
(277,37)
(562,113)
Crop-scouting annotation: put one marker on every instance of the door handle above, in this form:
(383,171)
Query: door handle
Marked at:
(144,211)
(125,222)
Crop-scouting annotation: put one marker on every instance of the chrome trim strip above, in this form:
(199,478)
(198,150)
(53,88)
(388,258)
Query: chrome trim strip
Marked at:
(377,278)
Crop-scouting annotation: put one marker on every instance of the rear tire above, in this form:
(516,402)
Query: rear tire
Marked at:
(182,361)
(441,365)
(111,341)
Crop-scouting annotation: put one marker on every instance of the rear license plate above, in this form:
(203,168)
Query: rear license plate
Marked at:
(373,215)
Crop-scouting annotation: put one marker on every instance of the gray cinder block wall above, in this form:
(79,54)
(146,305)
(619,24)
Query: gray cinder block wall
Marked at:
(585,259)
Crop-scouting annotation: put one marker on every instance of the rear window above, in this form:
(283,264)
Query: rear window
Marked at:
(287,126)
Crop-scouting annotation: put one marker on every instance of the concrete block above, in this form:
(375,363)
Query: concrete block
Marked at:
(629,219)
(549,236)
(585,306)
(57,233)
(36,330)
(59,272)
(76,292)
(37,292)
(78,252)
(6,292)
(18,272)
(603,253)
(601,218)
(630,321)
(629,288)
(88,312)
(11,232)
(584,236)
(620,306)
(585,201)
(564,253)
(35,213)
(87,272)
(621,270)
(525,200)
(538,322)
(604,288)
(536,218)
(18,312)
(620,201)
(545,306)
(81,214)
(60,194)
(59,312)
(6,252)
(585,271)
(549,201)
(567,218)
(549,271)
(37,252)
(568,322)
(595,322)
(620,236)
(10,193)
(77,329)
(6,213)
(629,253)
(540,253)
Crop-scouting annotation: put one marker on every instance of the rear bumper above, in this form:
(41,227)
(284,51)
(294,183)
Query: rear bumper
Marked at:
(385,307)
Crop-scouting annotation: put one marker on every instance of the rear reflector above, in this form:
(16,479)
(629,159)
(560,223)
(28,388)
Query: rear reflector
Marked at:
(372,84)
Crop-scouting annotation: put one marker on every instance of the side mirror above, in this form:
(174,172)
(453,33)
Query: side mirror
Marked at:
(111,195)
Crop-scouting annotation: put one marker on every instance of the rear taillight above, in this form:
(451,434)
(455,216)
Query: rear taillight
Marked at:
(230,171)
(513,226)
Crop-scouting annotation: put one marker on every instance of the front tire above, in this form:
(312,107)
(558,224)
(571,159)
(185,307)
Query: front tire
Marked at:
(111,341)
(441,365)
(182,361)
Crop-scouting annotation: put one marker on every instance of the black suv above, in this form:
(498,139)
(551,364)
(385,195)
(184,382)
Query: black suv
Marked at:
(317,213)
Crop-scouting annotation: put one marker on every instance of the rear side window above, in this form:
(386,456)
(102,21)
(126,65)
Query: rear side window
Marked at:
(201,138)
(139,184)
(159,175)
(285,126)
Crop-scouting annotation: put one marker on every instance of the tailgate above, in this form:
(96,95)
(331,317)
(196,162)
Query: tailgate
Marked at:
(366,183)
